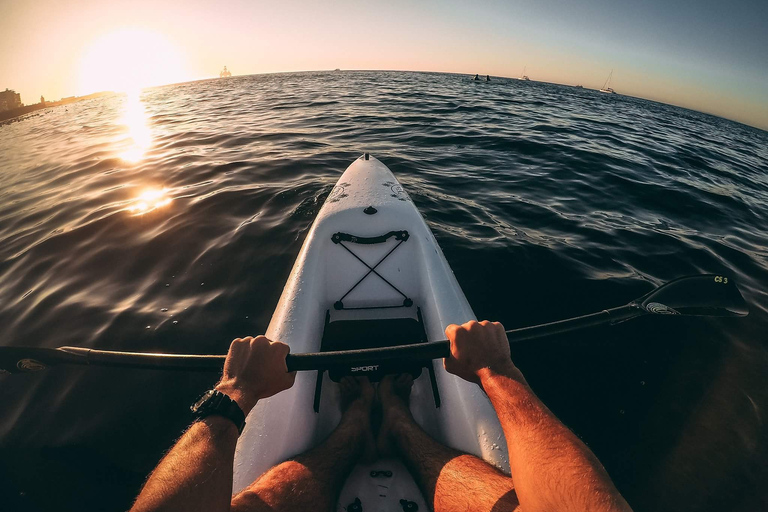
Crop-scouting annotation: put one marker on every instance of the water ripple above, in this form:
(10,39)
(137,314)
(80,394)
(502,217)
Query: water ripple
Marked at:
(170,222)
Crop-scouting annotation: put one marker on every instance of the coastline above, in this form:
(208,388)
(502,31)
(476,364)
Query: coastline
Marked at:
(15,114)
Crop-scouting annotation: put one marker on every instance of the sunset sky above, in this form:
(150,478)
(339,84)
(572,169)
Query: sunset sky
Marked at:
(702,54)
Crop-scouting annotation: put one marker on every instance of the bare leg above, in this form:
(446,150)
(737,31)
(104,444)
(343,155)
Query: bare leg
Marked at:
(313,480)
(450,480)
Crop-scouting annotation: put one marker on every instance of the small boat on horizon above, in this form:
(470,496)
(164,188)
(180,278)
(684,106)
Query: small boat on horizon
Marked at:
(225,73)
(524,76)
(606,87)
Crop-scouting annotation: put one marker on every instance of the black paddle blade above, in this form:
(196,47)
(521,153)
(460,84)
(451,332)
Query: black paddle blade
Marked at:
(704,295)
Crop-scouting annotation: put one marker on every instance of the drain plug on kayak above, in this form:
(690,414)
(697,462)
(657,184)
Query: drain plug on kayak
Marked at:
(370,210)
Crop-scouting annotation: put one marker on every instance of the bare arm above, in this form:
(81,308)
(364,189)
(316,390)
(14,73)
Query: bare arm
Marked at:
(197,473)
(551,468)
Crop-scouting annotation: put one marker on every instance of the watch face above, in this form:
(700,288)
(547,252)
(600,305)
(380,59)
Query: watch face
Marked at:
(202,400)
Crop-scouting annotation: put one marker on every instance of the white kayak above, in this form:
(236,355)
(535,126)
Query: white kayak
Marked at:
(334,301)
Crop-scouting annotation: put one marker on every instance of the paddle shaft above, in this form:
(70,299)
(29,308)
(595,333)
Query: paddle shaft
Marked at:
(441,349)
(34,359)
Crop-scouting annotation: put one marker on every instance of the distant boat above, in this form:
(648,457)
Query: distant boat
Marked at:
(225,73)
(607,83)
(337,69)
(579,87)
(524,77)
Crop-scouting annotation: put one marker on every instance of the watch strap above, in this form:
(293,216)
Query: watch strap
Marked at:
(216,403)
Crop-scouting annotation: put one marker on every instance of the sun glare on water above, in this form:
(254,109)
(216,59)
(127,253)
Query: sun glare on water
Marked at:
(128,60)
(150,199)
(135,119)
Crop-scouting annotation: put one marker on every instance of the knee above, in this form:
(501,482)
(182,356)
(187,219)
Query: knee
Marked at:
(287,487)
(290,476)
(468,483)
(249,500)
(291,471)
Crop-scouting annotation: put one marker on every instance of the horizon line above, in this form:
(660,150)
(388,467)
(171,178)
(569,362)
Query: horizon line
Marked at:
(764,130)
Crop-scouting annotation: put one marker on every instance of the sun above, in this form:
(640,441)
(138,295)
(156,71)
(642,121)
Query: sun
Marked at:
(128,60)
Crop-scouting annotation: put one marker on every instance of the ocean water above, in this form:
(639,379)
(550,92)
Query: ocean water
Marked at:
(170,221)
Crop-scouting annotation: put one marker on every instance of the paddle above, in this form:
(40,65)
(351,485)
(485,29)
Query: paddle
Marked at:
(702,295)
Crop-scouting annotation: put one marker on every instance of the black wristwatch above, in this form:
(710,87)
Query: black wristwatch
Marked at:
(217,403)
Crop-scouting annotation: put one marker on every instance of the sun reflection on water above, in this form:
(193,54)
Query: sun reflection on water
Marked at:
(135,119)
(150,199)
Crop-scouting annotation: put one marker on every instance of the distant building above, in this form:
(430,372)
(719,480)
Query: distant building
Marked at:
(42,100)
(9,100)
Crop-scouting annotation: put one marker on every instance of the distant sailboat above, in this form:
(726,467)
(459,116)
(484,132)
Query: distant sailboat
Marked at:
(225,73)
(524,77)
(607,83)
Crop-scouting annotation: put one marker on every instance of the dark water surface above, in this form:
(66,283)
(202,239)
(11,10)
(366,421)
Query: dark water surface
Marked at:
(171,223)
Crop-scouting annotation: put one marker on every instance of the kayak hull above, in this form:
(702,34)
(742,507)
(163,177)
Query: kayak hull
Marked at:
(367,202)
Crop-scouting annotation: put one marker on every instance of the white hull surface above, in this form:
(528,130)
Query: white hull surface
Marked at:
(287,424)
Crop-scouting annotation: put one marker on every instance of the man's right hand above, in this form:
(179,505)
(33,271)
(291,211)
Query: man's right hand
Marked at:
(553,469)
(255,368)
(479,348)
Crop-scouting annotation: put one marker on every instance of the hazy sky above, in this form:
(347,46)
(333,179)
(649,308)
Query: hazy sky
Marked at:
(706,55)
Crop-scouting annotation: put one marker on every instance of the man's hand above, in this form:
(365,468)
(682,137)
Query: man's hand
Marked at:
(478,348)
(551,468)
(255,369)
(197,473)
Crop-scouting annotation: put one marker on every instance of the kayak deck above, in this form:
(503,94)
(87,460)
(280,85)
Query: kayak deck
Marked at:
(369,274)
(383,486)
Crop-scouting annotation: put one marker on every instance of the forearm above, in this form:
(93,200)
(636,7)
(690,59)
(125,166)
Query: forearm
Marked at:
(551,468)
(197,473)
